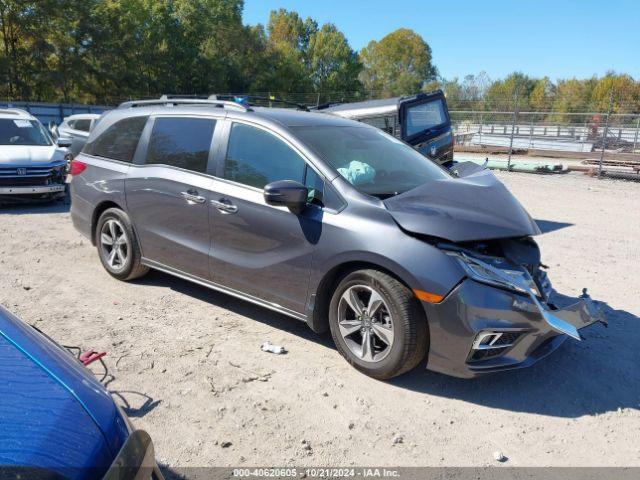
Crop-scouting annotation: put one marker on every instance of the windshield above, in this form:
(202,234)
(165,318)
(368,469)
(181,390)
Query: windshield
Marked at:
(425,116)
(374,162)
(23,132)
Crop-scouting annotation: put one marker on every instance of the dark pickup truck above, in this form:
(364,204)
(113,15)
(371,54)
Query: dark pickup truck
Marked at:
(421,120)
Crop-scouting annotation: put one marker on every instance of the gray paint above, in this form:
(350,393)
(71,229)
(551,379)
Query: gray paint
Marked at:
(476,207)
(272,257)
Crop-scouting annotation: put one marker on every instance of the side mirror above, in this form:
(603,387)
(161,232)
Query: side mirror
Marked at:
(64,142)
(287,193)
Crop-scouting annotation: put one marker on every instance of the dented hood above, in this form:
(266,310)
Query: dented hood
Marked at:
(476,207)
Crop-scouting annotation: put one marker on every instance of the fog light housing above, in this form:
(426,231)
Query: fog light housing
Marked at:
(491,344)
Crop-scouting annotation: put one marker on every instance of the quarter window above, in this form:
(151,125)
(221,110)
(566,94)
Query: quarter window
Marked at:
(181,142)
(255,157)
(315,184)
(119,141)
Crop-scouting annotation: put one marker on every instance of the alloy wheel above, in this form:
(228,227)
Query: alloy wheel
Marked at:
(114,244)
(365,323)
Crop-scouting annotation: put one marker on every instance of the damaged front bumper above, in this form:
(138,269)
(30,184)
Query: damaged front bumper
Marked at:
(480,328)
(30,190)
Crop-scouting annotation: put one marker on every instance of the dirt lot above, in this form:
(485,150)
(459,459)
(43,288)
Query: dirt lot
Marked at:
(188,362)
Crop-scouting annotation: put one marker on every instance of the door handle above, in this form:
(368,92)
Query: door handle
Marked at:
(192,196)
(224,207)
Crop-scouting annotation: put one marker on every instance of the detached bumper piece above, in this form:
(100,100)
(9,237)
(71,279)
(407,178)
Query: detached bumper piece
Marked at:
(579,314)
(136,460)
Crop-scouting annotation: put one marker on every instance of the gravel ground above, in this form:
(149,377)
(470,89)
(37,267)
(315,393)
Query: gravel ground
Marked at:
(188,364)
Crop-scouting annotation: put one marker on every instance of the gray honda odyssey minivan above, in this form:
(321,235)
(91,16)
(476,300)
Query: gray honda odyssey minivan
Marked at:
(327,220)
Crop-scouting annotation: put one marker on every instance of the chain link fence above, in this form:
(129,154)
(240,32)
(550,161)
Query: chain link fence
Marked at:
(602,138)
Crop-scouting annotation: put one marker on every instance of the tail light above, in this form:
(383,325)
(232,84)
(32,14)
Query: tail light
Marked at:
(77,167)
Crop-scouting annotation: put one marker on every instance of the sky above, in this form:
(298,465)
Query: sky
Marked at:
(558,39)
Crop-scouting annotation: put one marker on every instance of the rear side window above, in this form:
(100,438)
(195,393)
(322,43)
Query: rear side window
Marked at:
(387,124)
(82,124)
(256,157)
(119,141)
(181,142)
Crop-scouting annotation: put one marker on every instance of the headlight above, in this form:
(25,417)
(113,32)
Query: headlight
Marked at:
(517,280)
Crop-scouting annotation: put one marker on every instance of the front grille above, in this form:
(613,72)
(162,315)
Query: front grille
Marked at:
(23,181)
(31,176)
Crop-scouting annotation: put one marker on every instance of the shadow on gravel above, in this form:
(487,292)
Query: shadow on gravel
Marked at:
(550,226)
(597,375)
(135,404)
(235,305)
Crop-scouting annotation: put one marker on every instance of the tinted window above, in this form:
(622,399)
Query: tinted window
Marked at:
(256,157)
(383,123)
(425,116)
(82,124)
(181,142)
(315,184)
(119,141)
(371,160)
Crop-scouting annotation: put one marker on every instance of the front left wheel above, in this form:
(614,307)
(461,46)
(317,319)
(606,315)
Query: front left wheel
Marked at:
(378,324)
(118,247)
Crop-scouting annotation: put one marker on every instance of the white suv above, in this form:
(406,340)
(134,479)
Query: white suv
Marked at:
(76,128)
(32,165)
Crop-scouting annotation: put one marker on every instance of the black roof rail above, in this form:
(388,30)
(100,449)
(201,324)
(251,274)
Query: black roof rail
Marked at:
(299,106)
(182,100)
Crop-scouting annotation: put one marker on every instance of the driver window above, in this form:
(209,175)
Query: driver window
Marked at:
(255,157)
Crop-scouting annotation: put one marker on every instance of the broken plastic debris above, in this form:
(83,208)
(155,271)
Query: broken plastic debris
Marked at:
(499,457)
(269,347)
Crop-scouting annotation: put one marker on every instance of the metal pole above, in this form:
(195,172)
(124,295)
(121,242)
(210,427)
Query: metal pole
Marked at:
(513,128)
(606,131)
(635,139)
(480,141)
(531,132)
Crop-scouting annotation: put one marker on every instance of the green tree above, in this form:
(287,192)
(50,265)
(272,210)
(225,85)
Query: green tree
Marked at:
(502,93)
(622,89)
(333,65)
(542,95)
(287,44)
(573,95)
(400,63)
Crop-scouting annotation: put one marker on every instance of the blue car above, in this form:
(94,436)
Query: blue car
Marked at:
(56,420)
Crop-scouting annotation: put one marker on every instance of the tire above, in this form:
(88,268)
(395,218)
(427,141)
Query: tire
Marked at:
(396,312)
(125,264)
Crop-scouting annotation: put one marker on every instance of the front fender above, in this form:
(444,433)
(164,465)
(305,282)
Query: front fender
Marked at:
(350,240)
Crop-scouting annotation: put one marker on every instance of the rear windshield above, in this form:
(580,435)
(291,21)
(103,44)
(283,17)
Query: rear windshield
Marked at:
(23,132)
(425,116)
(374,162)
